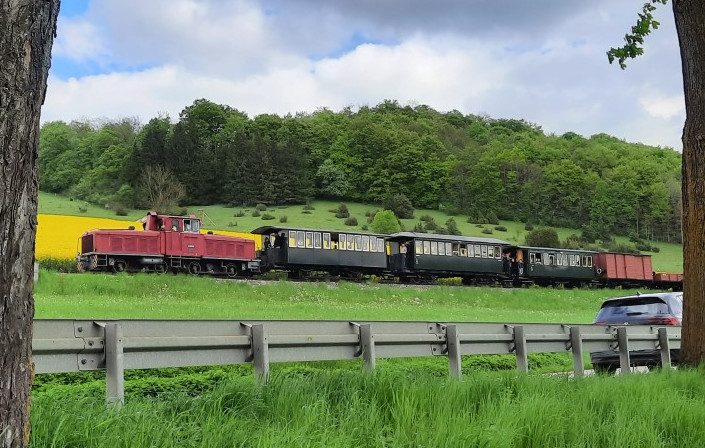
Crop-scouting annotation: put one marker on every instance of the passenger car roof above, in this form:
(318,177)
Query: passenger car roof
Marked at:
(437,237)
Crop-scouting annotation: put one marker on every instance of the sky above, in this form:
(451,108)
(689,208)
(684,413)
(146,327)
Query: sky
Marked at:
(543,61)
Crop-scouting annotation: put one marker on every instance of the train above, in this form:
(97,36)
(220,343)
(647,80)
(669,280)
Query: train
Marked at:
(177,244)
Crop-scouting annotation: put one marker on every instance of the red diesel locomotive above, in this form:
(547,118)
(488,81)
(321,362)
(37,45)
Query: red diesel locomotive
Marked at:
(167,243)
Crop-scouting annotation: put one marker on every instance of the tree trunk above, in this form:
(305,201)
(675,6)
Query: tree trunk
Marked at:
(690,23)
(28,29)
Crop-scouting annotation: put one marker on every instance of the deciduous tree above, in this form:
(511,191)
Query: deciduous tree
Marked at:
(690,25)
(28,29)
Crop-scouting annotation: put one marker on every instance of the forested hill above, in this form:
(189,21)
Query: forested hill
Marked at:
(468,164)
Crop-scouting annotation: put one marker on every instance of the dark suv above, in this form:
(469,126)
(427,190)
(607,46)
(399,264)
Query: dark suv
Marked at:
(664,308)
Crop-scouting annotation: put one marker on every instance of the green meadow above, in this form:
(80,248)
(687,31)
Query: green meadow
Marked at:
(318,215)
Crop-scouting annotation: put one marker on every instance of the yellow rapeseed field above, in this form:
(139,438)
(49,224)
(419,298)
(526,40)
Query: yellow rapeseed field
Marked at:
(58,235)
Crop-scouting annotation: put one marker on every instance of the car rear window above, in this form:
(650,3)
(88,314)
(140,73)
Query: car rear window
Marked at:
(618,309)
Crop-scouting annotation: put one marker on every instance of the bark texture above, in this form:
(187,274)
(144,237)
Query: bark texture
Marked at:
(27,29)
(690,23)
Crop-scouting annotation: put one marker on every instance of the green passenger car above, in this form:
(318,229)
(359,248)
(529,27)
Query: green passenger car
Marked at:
(424,256)
(548,266)
(302,252)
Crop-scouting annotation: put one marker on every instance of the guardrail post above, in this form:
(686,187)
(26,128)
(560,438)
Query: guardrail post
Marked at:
(453,341)
(114,366)
(260,352)
(665,348)
(520,349)
(576,346)
(367,344)
(623,341)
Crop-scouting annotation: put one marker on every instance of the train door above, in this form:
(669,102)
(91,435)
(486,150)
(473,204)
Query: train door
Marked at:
(173,236)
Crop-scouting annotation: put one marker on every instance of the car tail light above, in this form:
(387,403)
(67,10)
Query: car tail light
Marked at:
(665,321)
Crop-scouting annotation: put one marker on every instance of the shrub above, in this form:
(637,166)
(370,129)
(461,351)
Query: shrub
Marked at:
(232,224)
(351,221)
(255,213)
(82,209)
(399,204)
(452,227)
(239,214)
(430,225)
(261,207)
(528,227)
(364,227)
(385,222)
(306,212)
(283,218)
(418,228)
(309,207)
(487,231)
(492,218)
(268,217)
(426,218)
(342,211)
(500,228)
(543,238)
(121,211)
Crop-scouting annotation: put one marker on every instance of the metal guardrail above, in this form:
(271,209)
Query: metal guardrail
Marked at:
(61,345)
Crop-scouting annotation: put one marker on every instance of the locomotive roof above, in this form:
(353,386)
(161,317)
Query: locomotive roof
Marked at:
(434,236)
(266,230)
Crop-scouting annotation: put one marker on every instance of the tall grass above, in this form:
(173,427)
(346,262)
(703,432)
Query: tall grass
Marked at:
(392,409)
(182,297)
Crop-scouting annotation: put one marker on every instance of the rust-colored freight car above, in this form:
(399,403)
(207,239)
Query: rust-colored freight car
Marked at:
(614,268)
(167,243)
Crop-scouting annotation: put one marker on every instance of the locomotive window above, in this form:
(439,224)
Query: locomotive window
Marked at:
(309,240)
(434,248)
(175,225)
(341,243)
(187,225)
(449,248)
(351,242)
(365,243)
(426,247)
(300,239)
(419,248)
(317,240)
(195,225)
(358,242)
(292,238)
(477,251)
(326,240)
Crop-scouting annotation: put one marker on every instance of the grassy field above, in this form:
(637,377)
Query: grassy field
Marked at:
(170,296)
(669,259)
(404,403)
(306,408)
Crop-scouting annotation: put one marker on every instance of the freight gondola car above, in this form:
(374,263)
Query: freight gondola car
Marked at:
(309,252)
(166,243)
(424,257)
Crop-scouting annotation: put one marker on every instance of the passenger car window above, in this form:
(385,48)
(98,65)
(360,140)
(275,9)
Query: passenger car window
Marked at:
(342,244)
(292,238)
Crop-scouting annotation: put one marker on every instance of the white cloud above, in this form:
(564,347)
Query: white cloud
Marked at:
(541,63)
(78,40)
(664,107)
